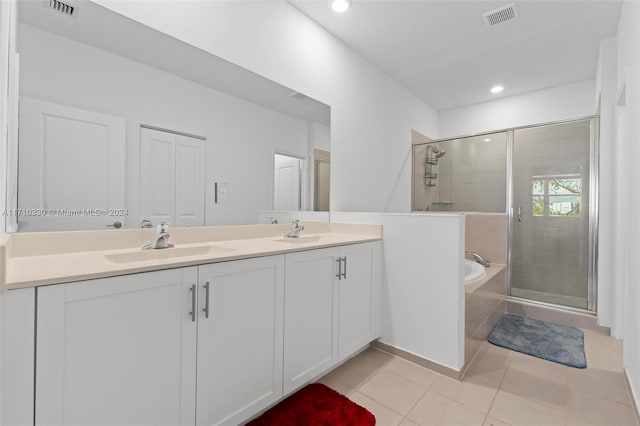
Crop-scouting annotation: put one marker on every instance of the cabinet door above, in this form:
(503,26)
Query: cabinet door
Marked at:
(240,343)
(117,351)
(310,329)
(356,299)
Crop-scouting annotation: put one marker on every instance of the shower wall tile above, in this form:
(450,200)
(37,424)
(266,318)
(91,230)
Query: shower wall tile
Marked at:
(486,234)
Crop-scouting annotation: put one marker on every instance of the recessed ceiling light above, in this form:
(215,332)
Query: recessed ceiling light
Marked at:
(497,89)
(487,140)
(340,5)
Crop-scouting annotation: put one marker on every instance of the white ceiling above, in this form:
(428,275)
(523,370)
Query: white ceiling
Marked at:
(96,26)
(443,52)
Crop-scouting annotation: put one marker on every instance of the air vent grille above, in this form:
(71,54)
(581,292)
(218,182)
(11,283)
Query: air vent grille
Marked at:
(501,15)
(61,7)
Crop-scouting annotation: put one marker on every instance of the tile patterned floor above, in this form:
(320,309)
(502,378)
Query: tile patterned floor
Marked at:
(501,388)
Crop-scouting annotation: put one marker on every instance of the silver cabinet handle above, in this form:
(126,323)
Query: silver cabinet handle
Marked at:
(193,303)
(344,274)
(520,214)
(206,286)
(339,260)
(116,225)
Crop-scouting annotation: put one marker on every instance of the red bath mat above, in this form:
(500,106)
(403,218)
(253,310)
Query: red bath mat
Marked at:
(316,405)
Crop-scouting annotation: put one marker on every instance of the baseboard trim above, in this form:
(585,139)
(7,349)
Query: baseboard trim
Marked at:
(557,315)
(423,362)
(634,396)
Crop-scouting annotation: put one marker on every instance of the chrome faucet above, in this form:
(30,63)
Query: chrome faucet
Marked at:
(295,229)
(146,223)
(160,239)
(477,258)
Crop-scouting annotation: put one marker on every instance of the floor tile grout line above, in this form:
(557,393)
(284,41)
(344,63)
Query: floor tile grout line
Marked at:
(387,407)
(378,367)
(498,389)
(417,402)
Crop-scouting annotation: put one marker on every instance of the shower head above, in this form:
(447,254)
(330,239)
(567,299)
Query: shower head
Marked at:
(437,152)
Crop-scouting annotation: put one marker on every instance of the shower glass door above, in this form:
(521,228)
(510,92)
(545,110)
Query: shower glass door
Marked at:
(551,248)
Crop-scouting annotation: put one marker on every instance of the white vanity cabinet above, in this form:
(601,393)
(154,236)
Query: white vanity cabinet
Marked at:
(330,308)
(202,345)
(117,351)
(239,339)
(310,318)
(357,304)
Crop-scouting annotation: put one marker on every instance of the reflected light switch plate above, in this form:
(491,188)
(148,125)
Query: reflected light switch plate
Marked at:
(222,192)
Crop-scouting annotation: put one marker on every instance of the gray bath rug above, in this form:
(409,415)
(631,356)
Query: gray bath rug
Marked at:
(542,339)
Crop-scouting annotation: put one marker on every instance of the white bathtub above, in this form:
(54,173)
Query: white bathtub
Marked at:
(473,271)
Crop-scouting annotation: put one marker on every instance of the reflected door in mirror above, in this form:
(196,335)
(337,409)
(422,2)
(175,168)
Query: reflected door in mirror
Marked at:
(287,192)
(70,168)
(172,178)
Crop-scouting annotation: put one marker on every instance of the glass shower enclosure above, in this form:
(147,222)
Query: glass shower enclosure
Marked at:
(544,178)
(553,209)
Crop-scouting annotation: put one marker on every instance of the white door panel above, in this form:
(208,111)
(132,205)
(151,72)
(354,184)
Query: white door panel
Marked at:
(52,179)
(310,319)
(356,299)
(171,178)
(117,351)
(287,185)
(189,210)
(157,175)
(240,342)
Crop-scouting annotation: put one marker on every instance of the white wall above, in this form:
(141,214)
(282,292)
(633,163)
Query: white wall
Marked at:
(241,136)
(565,102)
(606,90)
(422,282)
(627,198)
(371,115)
(321,136)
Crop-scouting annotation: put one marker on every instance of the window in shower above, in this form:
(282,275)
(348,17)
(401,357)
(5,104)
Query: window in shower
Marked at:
(556,196)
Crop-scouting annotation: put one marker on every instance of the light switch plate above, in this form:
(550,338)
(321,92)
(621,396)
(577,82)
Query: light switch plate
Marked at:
(222,192)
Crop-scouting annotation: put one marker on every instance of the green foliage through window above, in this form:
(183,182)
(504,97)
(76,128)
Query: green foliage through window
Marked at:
(558,196)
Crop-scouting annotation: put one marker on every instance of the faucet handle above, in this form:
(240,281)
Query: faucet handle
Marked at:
(295,222)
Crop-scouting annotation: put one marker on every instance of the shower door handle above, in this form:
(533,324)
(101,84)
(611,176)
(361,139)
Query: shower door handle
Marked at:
(520,214)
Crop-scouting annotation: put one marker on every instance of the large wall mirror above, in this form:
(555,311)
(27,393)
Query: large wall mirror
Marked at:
(116,130)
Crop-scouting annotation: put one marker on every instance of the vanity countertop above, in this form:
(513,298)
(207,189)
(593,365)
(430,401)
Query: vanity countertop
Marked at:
(37,259)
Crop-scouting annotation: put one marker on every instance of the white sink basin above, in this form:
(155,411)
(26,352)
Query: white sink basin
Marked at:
(299,240)
(168,253)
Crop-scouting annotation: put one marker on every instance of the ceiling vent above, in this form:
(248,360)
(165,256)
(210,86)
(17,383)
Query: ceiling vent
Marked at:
(501,15)
(61,7)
